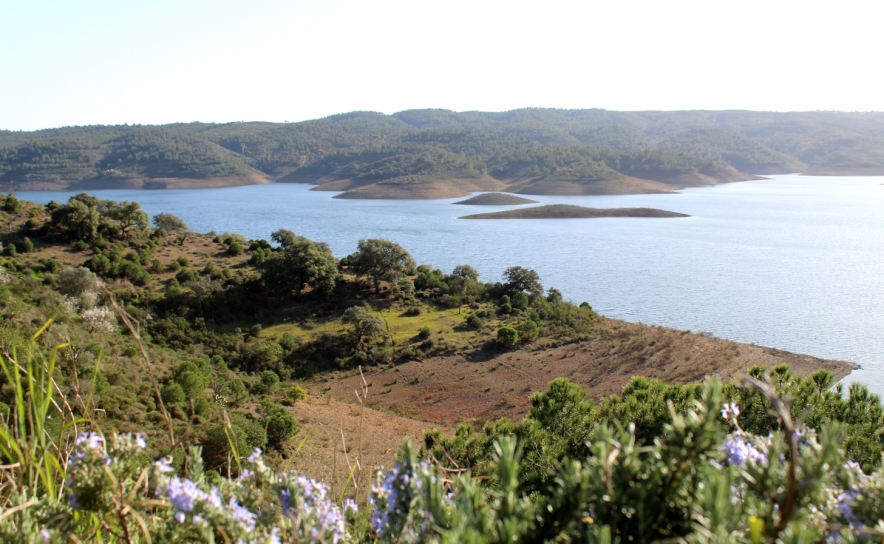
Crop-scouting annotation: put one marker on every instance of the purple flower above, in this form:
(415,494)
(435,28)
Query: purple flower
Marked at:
(845,504)
(164,465)
(739,452)
(184,494)
(242,514)
(256,455)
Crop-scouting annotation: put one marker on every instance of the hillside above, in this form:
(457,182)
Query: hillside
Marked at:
(160,385)
(231,326)
(442,154)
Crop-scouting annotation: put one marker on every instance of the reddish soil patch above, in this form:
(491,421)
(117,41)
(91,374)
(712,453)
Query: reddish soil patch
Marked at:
(492,383)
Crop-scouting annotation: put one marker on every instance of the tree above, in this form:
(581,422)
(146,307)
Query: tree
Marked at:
(466,272)
(284,237)
(365,324)
(166,223)
(303,263)
(380,259)
(76,281)
(520,279)
(12,205)
(129,214)
(79,220)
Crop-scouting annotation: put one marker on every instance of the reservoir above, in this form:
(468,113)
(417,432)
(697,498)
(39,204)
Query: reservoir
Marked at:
(791,262)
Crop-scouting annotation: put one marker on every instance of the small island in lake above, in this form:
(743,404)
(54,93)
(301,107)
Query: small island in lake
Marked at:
(568,211)
(496,199)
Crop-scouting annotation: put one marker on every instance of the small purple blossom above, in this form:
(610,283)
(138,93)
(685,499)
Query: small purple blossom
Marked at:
(164,465)
(184,494)
(739,452)
(845,504)
(256,455)
(242,514)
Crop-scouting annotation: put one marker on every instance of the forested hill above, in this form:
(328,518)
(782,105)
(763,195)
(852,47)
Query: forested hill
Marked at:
(433,153)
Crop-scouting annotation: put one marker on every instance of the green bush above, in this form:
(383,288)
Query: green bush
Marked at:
(173,393)
(267,381)
(424,332)
(507,336)
(520,301)
(297,393)
(528,331)
(506,308)
(474,321)
(235,249)
(280,425)
(130,351)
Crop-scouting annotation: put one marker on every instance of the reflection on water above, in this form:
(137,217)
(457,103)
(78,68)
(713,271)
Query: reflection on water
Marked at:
(792,262)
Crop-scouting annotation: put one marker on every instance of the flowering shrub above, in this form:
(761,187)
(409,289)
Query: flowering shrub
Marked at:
(703,479)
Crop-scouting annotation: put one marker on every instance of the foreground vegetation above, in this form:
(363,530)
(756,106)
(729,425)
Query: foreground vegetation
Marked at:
(152,379)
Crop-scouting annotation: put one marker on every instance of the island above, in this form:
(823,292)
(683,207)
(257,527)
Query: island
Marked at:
(496,199)
(568,211)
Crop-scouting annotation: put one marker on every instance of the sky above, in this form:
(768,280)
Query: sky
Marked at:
(112,62)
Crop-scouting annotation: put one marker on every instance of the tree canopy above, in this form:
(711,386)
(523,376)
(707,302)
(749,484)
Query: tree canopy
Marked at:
(381,260)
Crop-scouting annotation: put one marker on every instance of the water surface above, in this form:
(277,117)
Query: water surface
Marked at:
(792,262)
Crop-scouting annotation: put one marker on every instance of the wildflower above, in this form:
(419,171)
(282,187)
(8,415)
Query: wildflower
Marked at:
(164,465)
(242,514)
(184,494)
(45,535)
(845,504)
(730,411)
(255,456)
(351,506)
(739,452)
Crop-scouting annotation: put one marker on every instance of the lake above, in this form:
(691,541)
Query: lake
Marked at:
(791,262)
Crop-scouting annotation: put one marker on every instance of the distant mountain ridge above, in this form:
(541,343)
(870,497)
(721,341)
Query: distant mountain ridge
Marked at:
(441,153)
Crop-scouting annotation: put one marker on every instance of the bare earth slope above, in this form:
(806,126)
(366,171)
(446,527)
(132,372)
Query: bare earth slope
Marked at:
(495,383)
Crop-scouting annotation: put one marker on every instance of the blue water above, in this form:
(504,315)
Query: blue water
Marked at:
(792,262)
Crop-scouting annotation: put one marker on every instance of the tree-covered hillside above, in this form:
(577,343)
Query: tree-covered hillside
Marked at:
(429,146)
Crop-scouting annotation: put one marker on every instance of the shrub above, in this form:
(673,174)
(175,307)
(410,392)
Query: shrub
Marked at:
(288,341)
(528,331)
(424,332)
(130,351)
(507,336)
(268,381)
(235,249)
(186,274)
(297,393)
(506,308)
(183,261)
(173,393)
(474,321)
(520,301)
(280,425)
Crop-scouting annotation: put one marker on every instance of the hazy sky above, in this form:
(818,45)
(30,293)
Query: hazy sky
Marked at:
(87,62)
